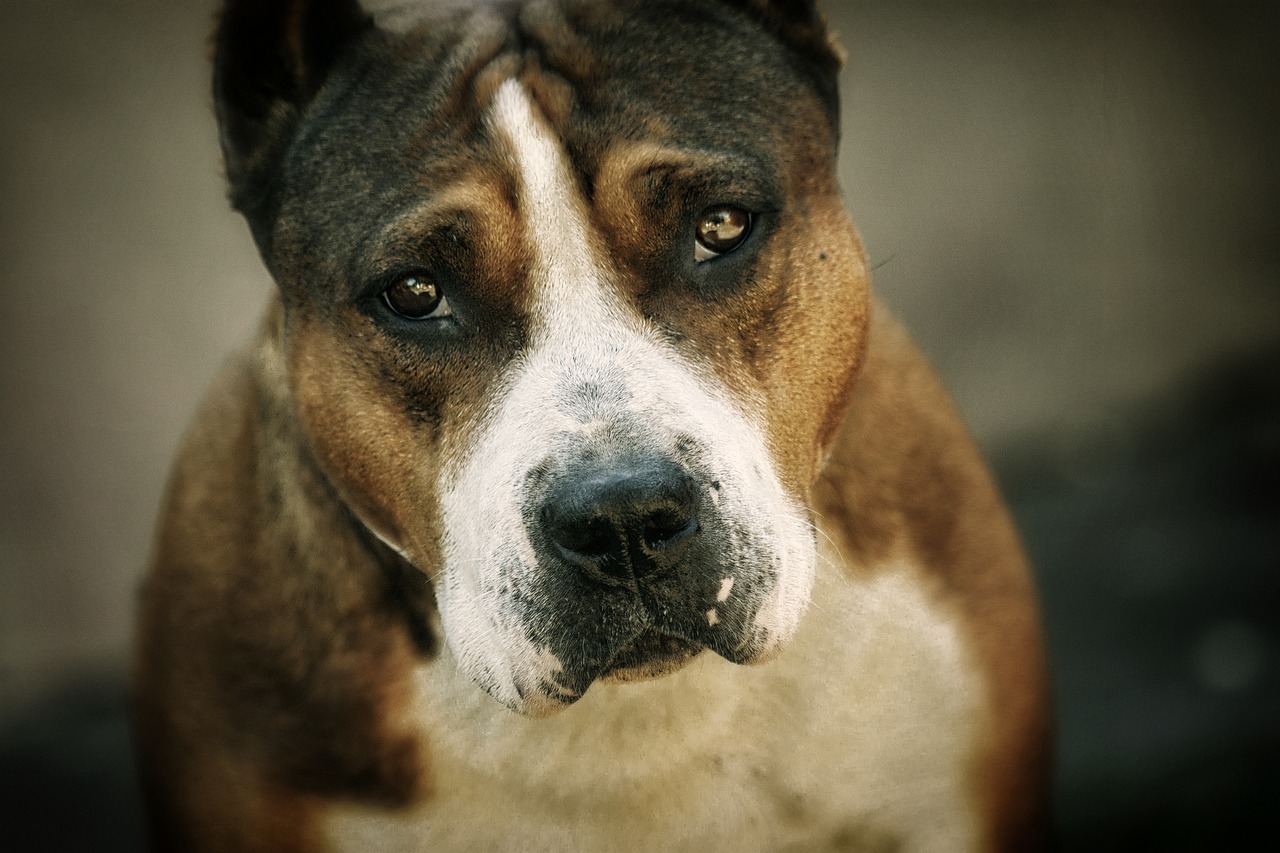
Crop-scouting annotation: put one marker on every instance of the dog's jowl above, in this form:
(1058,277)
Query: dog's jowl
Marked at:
(575,493)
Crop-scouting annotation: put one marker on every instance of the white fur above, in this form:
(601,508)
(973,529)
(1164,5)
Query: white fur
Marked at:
(582,334)
(859,729)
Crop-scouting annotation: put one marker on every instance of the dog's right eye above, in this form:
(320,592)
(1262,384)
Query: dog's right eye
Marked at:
(720,230)
(416,297)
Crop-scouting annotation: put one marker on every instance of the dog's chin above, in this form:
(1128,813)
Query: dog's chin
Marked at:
(648,656)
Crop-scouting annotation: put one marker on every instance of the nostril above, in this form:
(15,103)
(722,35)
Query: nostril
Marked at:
(667,527)
(592,538)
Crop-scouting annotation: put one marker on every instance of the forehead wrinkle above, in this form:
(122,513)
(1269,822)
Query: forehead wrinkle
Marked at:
(470,197)
(477,200)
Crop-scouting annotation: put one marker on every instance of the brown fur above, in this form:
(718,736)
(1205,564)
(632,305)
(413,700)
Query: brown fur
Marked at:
(272,634)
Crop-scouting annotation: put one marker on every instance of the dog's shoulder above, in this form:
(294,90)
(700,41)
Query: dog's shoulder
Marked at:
(906,487)
(265,626)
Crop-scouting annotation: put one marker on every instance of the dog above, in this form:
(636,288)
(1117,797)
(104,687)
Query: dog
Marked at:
(575,494)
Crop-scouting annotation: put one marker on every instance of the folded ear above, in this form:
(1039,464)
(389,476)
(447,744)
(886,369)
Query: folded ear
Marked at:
(801,25)
(271,57)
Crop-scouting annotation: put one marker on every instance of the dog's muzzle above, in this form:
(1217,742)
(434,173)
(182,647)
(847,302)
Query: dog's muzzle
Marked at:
(639,570)
(615,518)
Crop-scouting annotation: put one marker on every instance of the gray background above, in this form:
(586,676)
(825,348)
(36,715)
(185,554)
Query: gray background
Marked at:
(1073,205)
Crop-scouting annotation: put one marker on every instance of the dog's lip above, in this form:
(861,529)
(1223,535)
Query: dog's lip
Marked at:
(650,654)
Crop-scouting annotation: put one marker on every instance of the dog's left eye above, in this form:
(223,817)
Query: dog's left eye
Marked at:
(720,230)
(416,297)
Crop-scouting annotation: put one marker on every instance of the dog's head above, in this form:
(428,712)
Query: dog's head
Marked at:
(572,308)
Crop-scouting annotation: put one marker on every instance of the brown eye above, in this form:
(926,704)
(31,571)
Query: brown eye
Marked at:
(720,230)
(416,297)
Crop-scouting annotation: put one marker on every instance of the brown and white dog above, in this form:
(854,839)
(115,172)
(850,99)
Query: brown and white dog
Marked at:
(575,495)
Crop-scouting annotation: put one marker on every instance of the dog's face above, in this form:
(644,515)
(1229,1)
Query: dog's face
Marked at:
(572,309)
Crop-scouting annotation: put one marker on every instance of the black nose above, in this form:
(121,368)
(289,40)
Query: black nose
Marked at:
(624,521)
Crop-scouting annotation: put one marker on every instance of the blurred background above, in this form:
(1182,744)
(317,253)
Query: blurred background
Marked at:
(1074,205)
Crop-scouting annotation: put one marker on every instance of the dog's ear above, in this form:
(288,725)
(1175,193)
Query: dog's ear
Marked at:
(270,59)
(801,25)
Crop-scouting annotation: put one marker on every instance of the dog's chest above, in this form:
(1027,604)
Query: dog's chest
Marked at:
(859,737)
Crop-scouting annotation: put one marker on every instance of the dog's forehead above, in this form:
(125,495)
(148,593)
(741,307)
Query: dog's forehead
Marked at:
(692,74)
(405,120)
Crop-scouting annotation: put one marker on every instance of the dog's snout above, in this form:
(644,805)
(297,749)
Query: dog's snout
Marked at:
(624,521)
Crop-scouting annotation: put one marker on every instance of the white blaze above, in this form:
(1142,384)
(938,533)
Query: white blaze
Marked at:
(583,334)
